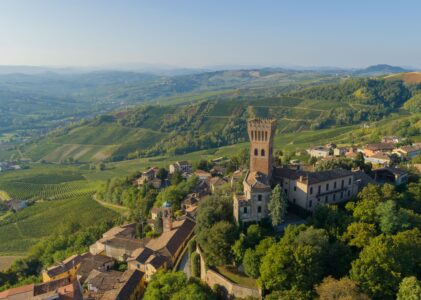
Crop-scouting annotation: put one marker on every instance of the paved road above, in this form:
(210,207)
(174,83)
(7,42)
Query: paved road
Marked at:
(184,264)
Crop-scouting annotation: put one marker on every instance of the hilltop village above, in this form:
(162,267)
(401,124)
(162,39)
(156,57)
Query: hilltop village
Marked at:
(122,263)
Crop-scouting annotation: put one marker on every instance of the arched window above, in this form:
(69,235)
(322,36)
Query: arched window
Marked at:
(262,153)
(266,135)
(258,135)
(256,152)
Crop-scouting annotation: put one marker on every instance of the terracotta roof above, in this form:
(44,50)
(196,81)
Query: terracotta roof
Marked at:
(125,287)
(121,231)
(124,243)
(202,173)
(65,266)
(103,281)
(217,181)
(379,146)
(173,239)
(257,180)
(90,263)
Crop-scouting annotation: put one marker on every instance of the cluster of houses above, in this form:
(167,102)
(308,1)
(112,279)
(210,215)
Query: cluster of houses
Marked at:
(6,166)
(379,154)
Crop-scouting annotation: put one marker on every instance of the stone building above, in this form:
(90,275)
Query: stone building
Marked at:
(302,188)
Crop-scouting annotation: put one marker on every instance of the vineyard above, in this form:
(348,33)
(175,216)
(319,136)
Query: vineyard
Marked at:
(60,196)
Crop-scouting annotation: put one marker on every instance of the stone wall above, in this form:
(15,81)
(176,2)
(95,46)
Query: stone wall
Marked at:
(231,289)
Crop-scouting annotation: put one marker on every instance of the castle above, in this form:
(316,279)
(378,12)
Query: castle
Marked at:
(302,188)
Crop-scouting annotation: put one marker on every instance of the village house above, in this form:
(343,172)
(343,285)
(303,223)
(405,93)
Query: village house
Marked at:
(113,285)
(66,269)
(181,166)
(57,289)
(391,139)
(162,252)
(394,176)
(216,183)
(319,151)
(381,159)
(93,262)
(203,175)
(190,202)
(409,151)
(147,176)
(340,151)
(372,149)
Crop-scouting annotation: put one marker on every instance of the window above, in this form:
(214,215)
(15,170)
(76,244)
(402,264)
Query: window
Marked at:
(342,184)
(319,189)
(342,195)
(286,192)
(259,209)
(295,188)
(349,181)
(258,134)
(334,185)
(259,197)
(262,152)
(349,193)
(326,199)
(334,197)
(252,135)
(311,190)
(266,135)
(245,210)
(256,152)
(327,186)
(310,203)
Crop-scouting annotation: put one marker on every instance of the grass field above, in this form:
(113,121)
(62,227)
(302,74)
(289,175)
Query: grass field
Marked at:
(235,276)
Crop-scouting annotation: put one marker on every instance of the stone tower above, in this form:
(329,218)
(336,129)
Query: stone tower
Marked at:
(261,132)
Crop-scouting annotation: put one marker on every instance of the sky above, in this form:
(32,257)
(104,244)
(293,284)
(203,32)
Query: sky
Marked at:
(198,33)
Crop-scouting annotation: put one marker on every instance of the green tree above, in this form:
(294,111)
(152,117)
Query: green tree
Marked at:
(254,235)
(409,289)
(216,243)
(158,224)
(277,206)
(297,261)
(359,234)
(391,219)
(239,248)
(251,263)
(385,261)
(175,286)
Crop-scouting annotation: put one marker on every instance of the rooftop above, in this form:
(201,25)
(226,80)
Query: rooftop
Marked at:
(310,177)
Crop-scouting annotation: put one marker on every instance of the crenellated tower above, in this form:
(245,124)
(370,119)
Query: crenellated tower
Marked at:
(261,133)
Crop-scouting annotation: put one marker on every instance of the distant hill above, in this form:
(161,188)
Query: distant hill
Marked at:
(378,70)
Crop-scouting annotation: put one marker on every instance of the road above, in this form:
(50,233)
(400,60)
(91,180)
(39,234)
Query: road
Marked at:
(184,264)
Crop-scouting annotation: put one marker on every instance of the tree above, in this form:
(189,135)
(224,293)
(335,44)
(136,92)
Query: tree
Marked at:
(254,235)
(409,289)
(216,243)
(296,261)
(251,263)
(345,288)
(277,206)
(391,219)
(195,264)
(385,261)
(175,286)
(292,294)
(330,218)
(239,248)
(176,177)
(359,234)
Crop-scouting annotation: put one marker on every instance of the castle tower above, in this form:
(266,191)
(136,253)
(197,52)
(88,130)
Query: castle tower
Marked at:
(261,133)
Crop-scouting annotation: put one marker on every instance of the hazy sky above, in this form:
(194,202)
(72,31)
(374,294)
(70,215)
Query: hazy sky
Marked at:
(203,33)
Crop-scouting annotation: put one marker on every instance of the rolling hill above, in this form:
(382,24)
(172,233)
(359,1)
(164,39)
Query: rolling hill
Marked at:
(216,120)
